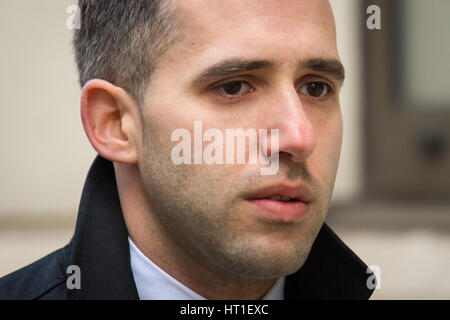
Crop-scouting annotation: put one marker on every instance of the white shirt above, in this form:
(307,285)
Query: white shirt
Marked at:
(153,283)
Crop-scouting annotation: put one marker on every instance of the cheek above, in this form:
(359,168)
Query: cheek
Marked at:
(161,119)
(325,158)
(334,137)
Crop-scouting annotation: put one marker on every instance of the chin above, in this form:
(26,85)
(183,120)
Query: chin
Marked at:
(266,261)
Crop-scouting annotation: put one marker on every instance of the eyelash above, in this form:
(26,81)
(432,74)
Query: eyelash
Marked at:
(218,88)
(329,89)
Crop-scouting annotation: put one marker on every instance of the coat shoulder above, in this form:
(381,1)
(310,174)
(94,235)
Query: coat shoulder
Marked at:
(43,279)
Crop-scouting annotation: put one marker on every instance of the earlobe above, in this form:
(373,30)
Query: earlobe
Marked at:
(109,121)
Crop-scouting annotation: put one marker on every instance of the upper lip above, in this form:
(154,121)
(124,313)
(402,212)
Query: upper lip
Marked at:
(298,192)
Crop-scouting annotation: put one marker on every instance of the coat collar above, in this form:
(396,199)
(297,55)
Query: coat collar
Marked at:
(101,250)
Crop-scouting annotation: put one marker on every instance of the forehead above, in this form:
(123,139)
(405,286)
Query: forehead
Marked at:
(241,27)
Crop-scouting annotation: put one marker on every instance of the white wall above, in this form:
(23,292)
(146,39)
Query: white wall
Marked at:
(44,152)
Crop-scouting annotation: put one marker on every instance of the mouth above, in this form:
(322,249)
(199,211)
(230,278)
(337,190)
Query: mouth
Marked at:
(282,199)
(281,202)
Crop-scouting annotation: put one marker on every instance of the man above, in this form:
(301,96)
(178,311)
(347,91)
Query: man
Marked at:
(153,227)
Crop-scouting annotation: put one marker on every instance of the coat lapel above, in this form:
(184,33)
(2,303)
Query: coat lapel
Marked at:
(100,243)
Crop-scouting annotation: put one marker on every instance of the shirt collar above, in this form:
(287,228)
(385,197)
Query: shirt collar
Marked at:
(153,283)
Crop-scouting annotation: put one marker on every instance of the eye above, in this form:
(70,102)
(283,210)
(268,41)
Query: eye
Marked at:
(315,89)
(234,89)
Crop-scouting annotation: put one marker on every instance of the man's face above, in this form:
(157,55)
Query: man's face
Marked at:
(246,64)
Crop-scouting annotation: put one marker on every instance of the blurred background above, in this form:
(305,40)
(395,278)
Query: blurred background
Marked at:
(391,204)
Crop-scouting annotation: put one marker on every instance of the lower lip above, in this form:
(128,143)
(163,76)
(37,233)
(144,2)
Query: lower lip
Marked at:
(282,211)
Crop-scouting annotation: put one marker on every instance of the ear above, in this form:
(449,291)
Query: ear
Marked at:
(111,121)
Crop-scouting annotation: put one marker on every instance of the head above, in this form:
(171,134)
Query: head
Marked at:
(161,65)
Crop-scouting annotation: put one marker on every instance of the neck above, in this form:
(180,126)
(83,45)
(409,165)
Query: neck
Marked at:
(184,264)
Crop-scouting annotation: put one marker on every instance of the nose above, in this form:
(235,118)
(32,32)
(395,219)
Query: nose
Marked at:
(296,133)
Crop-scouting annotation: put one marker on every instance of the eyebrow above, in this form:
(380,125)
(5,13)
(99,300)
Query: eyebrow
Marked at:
(332,67)
(230,67)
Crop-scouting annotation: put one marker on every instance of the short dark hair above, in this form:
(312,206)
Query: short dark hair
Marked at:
(120,40)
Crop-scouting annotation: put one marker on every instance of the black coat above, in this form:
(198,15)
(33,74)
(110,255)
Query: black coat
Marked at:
(100,248)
